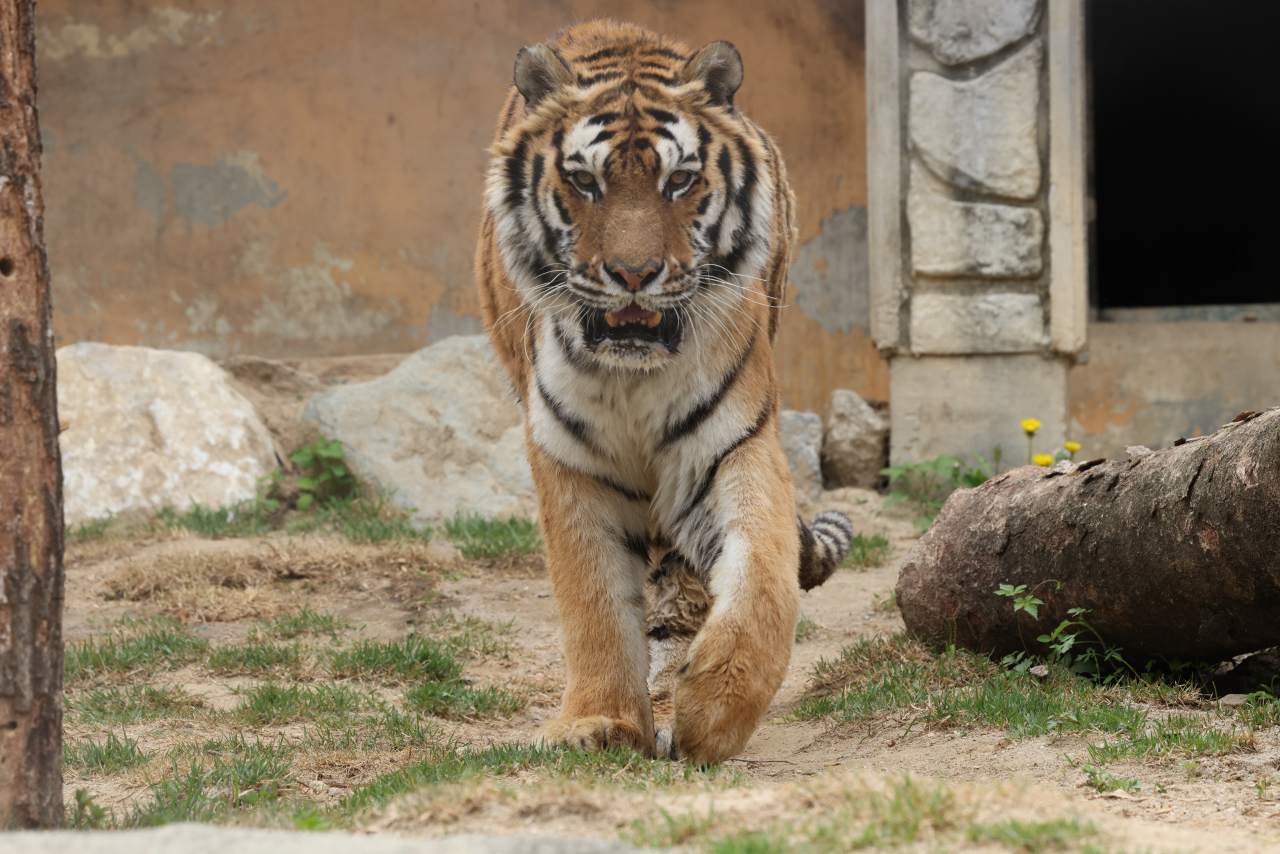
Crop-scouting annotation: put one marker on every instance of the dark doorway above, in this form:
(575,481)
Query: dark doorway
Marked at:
(1185,101)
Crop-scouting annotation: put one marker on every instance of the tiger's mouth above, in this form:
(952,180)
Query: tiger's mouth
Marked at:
(632,324)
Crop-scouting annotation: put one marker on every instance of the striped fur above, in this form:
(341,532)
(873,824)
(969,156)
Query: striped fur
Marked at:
(632,261)
(824,544)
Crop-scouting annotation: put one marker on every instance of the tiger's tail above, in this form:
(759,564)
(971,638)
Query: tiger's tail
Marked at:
(824,544)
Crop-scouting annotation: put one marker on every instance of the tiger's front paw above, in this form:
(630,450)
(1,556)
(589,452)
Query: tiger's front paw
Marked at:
(723,693)
(593,733)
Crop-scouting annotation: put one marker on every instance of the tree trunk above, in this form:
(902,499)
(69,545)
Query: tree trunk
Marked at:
(1176,552)
(31,532)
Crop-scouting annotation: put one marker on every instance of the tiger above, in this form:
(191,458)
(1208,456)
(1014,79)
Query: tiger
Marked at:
(631,265)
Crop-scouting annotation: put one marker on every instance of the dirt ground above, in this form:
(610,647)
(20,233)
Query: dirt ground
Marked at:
(386,590)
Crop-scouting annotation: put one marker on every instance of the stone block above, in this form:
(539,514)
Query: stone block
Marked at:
(980,134)
(965,405)
(853,449)
(982,323)
(149,428)
(441,434)
(950,238)
(802,443)
(960,31)
(279,393)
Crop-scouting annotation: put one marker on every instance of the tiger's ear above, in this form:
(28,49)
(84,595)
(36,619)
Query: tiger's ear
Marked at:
(539,72)
(719,67)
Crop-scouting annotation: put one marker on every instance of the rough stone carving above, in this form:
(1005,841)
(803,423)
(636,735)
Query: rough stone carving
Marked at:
(984,323)
(853,448)
(802,443)
(981,134)
(960,31)
(950,238)
(148,428)
(441,434)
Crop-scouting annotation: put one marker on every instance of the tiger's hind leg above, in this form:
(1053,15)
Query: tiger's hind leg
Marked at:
(678,603)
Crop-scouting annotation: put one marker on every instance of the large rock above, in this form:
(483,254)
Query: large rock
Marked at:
(279,393)
(853,446)
(950,238)
(959,31)
(980,134)
(441,434)
(148,428)
(802,443)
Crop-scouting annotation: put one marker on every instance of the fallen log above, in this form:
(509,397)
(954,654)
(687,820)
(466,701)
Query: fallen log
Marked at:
(1176,553)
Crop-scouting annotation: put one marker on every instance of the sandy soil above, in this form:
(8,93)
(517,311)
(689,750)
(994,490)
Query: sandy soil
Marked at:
(385,591)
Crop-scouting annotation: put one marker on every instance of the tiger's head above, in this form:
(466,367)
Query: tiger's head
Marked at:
(633,203)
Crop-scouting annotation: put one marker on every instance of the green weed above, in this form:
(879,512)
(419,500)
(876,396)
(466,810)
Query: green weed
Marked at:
(327,475)
(1104,782)
(249,518)
(93,529)
(413,658)
(386,729)
(804,628)
(133,648)
(109,756)
(87,815)
(271,703)
(254,658)
(291,624)
(1176,734)
(457,699)
(1033,836)
(469,637)
(130,705)
(477,537)
(867,552)
(365,520)
(217,779)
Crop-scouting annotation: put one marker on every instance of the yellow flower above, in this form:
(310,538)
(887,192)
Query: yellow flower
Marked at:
(1031,426)
(1042,460)
(1071,446)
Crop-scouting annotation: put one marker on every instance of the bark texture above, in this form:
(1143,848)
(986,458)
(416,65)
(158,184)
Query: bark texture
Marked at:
(31,582)
(1176,552)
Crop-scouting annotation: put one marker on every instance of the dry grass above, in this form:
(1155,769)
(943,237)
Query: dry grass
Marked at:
(238,580)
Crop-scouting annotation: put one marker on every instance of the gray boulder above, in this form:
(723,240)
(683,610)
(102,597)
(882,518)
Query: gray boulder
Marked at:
(441,434)
(802,443)
(853,449)
(147,428)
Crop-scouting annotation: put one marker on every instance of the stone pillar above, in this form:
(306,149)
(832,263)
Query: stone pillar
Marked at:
(975,227)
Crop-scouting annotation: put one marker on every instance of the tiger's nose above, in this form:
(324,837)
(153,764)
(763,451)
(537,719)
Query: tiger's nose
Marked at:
(633,278)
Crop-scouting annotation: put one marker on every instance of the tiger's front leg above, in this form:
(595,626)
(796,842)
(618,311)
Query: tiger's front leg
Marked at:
(739,658)
(596,555)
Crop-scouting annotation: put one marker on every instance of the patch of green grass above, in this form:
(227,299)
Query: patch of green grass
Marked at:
(1033,836)
(888,604)
(272,703)
(445,765)
(804,628)
(94,529)
(959,688)
(413,658)
(470,637)
(133,648)
(478,537)
(867,552)
(253,658)
(363,520)
(457,699)
(387,728)
(217,780)
(1176,734)
(130,705)
(109,756)
(250,518)
(291,624)
(1104,782)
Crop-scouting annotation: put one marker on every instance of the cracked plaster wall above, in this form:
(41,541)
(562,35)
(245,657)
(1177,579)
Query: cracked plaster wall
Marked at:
(294,179)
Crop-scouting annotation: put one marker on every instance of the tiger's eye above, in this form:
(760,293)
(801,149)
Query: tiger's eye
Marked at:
(679,177)
(586,179)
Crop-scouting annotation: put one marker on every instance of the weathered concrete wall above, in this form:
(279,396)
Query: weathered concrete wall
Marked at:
(1151,383)
(289,178)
